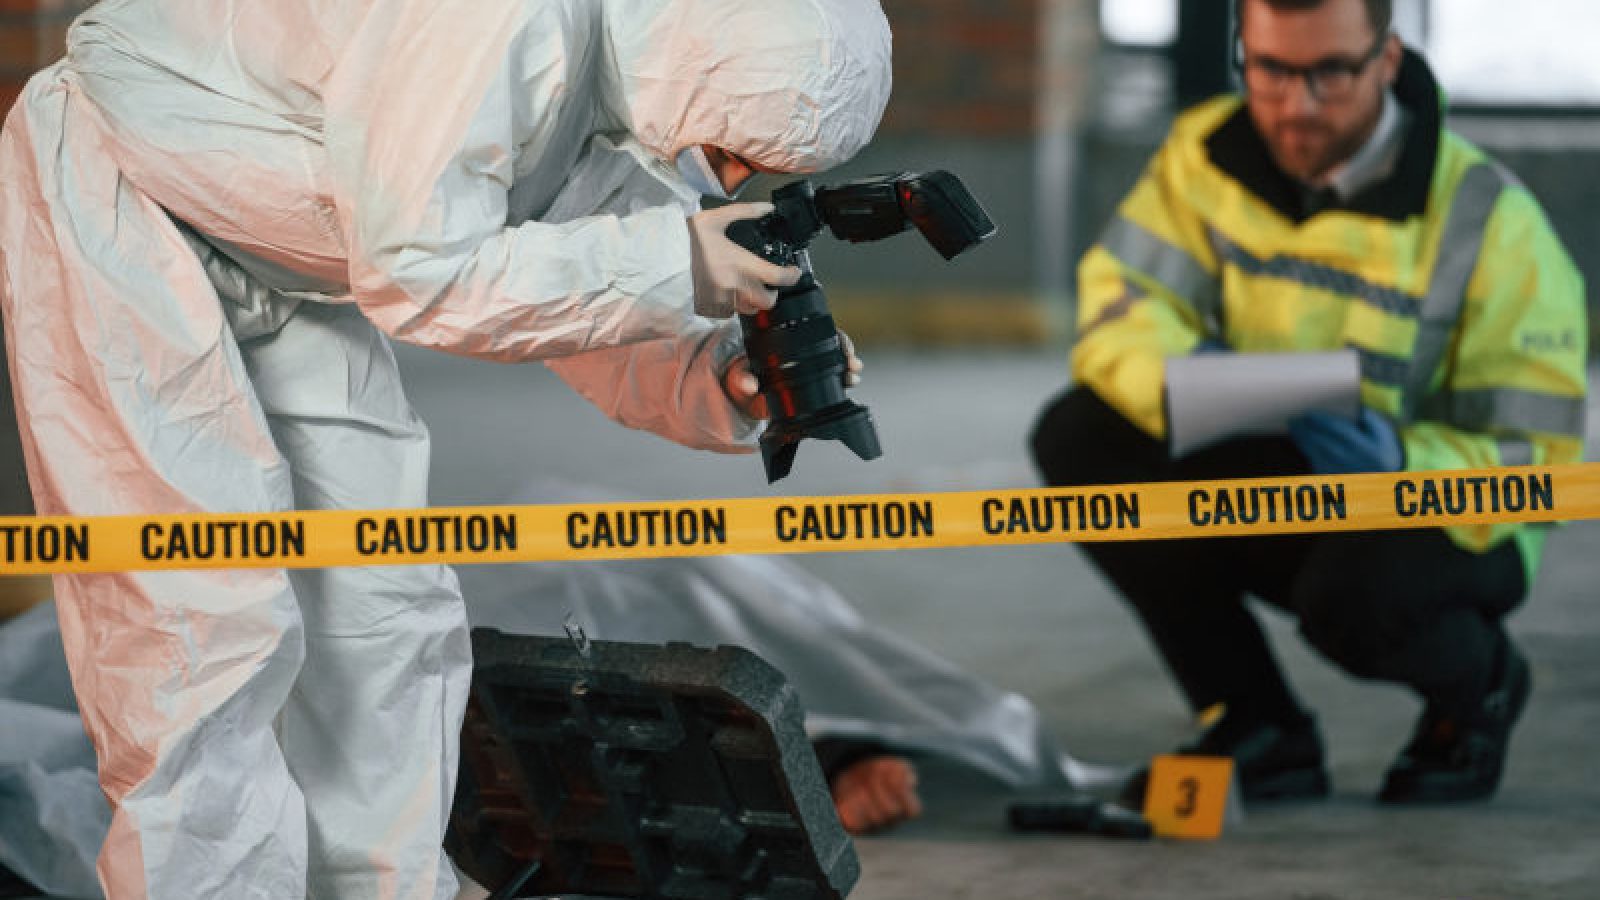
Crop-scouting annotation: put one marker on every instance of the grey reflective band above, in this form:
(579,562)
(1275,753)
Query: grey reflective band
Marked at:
(1118,309)
(1515,453)
(1459,246)
(1383,369)
(1141,250)
(1316,275)
(1508,410)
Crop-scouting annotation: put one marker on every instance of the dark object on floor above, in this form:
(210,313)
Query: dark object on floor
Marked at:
(513,888)
(1456,759)
(1079,815)
(1271,762)
(639,770)
(12,885)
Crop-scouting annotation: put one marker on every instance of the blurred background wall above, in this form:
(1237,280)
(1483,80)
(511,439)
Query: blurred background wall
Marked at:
(996,92)
(1048,109)
(32,35)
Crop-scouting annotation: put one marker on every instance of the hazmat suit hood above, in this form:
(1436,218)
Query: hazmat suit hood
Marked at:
(791,85)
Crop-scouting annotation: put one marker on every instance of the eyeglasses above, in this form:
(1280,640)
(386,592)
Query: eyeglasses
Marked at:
(1329,81)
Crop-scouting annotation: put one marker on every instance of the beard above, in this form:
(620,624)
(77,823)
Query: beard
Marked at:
(1306,147)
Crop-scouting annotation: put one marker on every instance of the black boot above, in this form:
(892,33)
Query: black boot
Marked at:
(1454,759)
(1270,761)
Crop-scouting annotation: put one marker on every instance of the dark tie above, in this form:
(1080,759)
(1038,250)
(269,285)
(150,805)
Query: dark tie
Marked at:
(1315,200)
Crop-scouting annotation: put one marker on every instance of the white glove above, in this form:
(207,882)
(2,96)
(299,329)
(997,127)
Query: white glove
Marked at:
(727,277)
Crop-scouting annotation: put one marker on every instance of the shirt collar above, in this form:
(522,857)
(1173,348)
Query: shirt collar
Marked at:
(1377,158)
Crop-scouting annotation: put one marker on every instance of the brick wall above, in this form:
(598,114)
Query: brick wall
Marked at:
(992,90)
(32,35)
(964,68)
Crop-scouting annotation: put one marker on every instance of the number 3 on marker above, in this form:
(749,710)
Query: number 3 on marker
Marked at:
(1188,795)
(1188,789)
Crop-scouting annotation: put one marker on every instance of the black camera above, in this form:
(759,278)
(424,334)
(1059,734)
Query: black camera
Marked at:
(794,348)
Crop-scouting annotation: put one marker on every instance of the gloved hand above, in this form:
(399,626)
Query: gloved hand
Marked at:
(727,277)
(1211,345)
(1339,445)
(744,390)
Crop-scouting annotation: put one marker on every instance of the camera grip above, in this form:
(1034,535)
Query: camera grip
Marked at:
(756,236)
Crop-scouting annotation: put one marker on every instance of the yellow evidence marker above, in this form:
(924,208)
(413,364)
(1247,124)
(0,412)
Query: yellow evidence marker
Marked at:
(1188,795)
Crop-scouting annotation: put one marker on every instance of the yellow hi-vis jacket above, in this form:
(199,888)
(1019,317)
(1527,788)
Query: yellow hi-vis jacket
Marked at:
(1446,278)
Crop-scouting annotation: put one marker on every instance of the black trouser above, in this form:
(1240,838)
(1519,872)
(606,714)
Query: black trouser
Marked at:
(1401,606)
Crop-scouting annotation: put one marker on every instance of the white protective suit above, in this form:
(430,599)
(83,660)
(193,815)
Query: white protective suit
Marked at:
(212,214)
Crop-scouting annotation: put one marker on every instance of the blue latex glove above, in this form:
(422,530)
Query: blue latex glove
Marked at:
(1339,445)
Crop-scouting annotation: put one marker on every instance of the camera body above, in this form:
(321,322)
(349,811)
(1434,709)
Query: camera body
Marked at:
(794,348)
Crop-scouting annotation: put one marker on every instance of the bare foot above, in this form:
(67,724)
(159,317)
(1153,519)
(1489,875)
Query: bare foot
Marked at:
(876,793)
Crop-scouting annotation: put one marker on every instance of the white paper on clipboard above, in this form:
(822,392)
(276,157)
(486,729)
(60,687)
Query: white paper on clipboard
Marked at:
(1215,396)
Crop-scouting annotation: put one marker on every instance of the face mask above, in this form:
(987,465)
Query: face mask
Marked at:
(697,171)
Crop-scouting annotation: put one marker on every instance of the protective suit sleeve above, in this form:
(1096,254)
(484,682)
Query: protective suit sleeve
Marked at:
(1145,292)
(1512,392)
(436,108)
(671,387)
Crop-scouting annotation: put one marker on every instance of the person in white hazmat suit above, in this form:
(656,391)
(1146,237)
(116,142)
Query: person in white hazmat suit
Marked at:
(213,215)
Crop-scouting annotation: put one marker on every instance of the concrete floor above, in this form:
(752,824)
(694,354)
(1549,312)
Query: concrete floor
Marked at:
(1039,621)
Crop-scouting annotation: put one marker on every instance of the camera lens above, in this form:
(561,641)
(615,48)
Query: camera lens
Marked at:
(797,358)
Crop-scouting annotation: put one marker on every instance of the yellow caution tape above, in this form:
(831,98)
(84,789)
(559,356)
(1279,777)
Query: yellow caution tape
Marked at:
(499,534)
